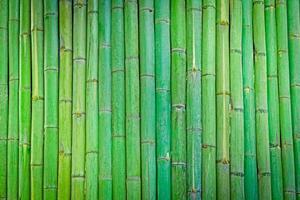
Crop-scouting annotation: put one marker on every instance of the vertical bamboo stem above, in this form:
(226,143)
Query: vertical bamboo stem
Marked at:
(261,116)
(132,101)
(105,141)
(118,101)
(208,100)
(223,99)
(65,99)
(51,98)
(178,92)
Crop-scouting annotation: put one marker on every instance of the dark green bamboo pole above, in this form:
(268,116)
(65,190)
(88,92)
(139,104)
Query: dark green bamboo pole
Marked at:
(51,98)
(133,153)
(273,101)
(237,107)
(13,106)
(147,78)
(118,101)
(208,100)
(287,149)
(65,99)
(105,141)
(194,126)
(78,97)
(163,97)
(3,96)
(223,99)
(251,189)
(91,151)
(24,100)
(178,92)
(261,117)
(294,52)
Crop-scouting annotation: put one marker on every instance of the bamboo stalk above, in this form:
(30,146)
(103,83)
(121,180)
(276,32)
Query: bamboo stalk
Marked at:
(251,189)
(194,126)
(37,101)
(163,106)
(273,103)
(65,100)
(262,128)
(3,96)
(223,99)
(209,100)
(91,151)
(237,107)
(178,92)
(147,78)
(51,98)
(133,153)
(78,97)
(13,98)
(294,51)
(118,101)
(288,165)
(105,141)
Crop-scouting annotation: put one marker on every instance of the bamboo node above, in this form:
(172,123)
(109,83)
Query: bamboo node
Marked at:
(240,174)
(206,146)
(149,9)
(204,7)
(224,161)
(162,21)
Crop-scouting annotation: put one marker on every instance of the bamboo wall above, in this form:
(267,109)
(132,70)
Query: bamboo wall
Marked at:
(150,99)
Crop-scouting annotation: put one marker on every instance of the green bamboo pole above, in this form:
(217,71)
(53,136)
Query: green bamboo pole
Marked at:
(262,129)
(273,101)
(208,100)
(294,52)
(3,96)
(288,165)
(163,106)
(51,98)
(78,97)
(13,98)
(133,153)
(91,151)
(65,100)
(24,101)
(147,78)
(178,92)
(251,189)
(237,107)
(222,99)
(37,101)
(105,133)
(194,126)
(118,101)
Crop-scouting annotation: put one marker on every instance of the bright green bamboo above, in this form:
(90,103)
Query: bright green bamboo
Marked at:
(51,98)
(262,128)
(3,96)
(105,142)
(273,101)
(78,99)
(65,100)
(208,100)
(91,151)
(294,60)
(37,117)
(13,106)
(178,92)
(163,106)
(237,107)
(118,101)
(222,99)
(24,101)
(132,101)
(194,126)
(251,190)
(147,78)
(288,165)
